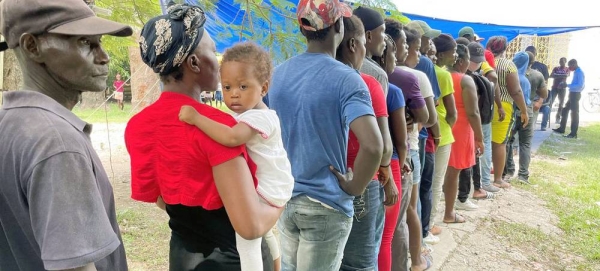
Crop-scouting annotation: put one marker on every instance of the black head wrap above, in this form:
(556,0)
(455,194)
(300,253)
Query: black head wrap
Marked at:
(167,40)
(444,43)
(370,18)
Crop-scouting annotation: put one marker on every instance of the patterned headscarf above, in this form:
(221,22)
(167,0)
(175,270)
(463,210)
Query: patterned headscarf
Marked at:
(167,40)
(497,44)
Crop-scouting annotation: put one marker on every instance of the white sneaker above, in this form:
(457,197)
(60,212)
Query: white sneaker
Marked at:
(467,205)
(431,239)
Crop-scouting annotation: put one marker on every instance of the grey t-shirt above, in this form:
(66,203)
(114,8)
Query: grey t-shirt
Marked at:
(537,81)
(371,68)
(57,205)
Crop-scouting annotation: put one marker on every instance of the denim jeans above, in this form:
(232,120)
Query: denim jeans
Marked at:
(545,110)
(485,161)
(525,135)
(362,248)
(312,236)
(425,192)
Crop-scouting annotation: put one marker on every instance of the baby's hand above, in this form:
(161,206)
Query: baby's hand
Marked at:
(188,114)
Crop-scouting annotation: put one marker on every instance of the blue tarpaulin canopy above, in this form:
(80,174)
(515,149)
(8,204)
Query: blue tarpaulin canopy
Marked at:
(224,23)
(484,30)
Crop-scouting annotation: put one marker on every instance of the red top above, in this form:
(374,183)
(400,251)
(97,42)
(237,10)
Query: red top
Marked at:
(379,107)
(489,57)
(118,85)
(173,159)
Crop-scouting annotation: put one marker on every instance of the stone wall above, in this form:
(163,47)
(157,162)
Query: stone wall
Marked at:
(11,71)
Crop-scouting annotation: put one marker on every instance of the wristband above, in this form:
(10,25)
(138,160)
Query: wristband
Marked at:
(385,166)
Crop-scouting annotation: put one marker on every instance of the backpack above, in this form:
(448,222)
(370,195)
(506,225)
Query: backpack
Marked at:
(485,93)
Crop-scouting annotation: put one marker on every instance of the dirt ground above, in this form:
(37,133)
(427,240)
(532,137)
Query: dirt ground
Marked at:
(474,245)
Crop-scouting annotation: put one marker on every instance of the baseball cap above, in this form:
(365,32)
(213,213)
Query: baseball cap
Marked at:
(424,29)
(65,17)
(315,15)
(477,52)
(467,30)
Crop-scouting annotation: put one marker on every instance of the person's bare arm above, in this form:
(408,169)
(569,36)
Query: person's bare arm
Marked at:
(450,106)
(250,218)
(514,89)
(161,203)
(469,95)
(369,154)
(433,118)
(399,132)
(384,169)
(436,134)
(542,91)
(88,267)
(420,115)
(221,133)
(493,77)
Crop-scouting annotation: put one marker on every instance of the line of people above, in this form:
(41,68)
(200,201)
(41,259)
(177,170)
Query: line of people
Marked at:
(346,147)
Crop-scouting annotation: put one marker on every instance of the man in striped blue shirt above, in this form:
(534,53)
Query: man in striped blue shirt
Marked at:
(575,88)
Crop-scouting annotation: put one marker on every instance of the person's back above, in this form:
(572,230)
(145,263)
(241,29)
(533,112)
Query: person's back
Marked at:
(521,61)
(446,88)
(461,113)
(309,93)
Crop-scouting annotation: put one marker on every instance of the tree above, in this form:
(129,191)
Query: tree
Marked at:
(282,30)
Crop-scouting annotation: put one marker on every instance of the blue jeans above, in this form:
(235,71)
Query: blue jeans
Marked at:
(362,248)
(486,159)
(545,109)
(425,192)
(312,236)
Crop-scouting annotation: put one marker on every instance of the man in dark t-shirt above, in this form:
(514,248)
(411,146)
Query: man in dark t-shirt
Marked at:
(559,86)
(57,205)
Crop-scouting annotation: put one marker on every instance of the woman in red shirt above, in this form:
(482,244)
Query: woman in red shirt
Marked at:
(207,189)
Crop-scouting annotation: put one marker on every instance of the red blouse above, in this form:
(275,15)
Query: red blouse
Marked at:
(173,159)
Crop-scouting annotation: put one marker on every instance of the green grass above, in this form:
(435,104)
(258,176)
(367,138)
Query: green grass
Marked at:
(146,238)
(111,113)
(567,174)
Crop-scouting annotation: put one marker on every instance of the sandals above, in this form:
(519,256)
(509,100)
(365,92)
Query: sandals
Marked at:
(428,260)
(488,195)
(457,219)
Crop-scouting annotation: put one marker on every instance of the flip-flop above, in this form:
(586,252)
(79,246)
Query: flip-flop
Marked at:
(428,261)
(488,195)
(456,219)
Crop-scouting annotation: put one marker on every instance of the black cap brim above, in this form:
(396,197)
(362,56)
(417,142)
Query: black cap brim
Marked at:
(91,26)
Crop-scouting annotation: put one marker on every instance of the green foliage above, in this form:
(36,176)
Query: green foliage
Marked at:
(386,7)
(257,25)
(131,12)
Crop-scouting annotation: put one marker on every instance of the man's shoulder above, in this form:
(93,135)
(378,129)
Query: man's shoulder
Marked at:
(47,134)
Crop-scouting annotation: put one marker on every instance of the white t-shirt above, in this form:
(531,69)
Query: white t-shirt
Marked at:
(426,92)
(274,171)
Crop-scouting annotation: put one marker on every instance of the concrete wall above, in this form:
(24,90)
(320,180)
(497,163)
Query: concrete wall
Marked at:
(145,85)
